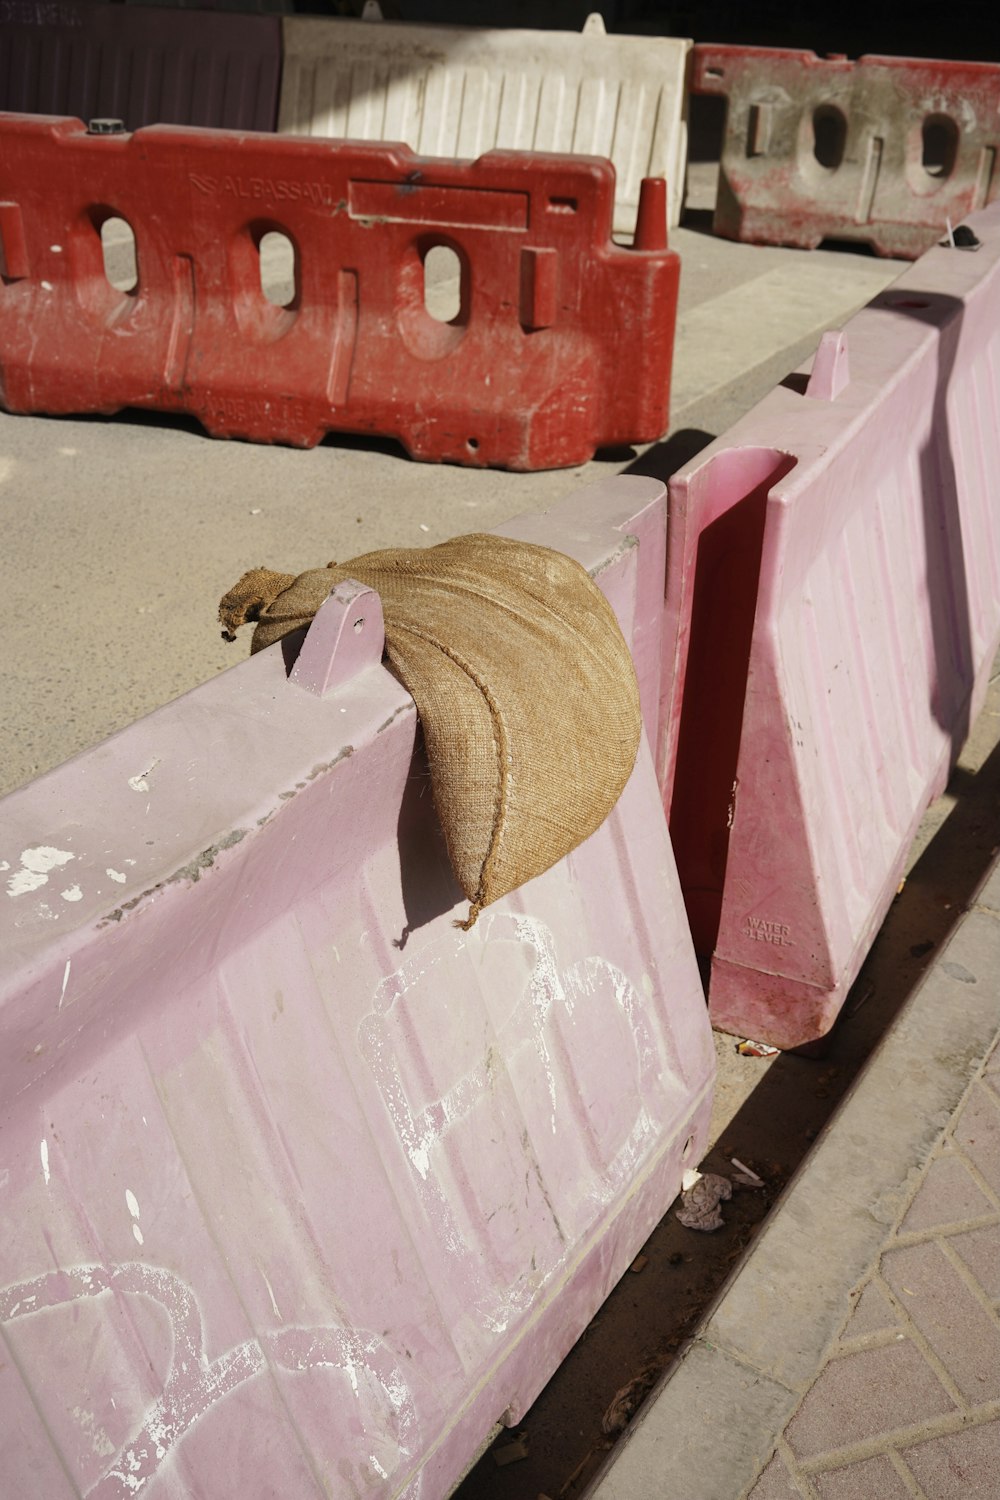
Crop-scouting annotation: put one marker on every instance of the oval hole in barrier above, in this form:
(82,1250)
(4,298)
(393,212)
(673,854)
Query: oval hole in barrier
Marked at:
(829,136)
(121,265)
(443,283)
(939,145)
(277,268)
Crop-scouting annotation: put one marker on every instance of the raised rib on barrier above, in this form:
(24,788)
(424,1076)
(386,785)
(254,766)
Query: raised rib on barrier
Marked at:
(883,150)
(306,1187)
(833,607)
(142,64)
(561,342)
(460,91)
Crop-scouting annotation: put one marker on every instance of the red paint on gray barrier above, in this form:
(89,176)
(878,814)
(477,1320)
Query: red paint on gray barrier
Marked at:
(882,151)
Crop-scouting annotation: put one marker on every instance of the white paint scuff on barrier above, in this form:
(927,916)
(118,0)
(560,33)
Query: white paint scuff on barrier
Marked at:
(36,866)
(195,1384)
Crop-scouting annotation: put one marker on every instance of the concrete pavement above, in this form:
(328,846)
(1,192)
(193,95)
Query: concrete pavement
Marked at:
(122,534)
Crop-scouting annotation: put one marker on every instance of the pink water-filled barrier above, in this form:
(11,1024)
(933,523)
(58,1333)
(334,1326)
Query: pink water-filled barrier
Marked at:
(833,608)
(305,1188)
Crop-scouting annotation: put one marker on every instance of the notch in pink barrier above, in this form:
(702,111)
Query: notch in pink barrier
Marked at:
(831,368)
(346,637)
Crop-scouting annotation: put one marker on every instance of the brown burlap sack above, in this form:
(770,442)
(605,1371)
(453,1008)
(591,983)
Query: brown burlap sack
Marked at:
(523,681)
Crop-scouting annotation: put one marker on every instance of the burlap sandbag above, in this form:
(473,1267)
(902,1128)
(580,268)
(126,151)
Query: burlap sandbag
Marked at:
(523,681)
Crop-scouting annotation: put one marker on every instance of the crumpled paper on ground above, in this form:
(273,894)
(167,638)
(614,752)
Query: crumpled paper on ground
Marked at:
(700,1201)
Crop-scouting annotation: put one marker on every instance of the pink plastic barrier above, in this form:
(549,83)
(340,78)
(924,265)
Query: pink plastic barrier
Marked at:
(809,721)
(305,1188)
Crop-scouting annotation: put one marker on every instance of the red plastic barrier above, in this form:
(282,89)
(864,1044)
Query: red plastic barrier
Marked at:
(140,63)
(832,616)
(883,150)
(562,341)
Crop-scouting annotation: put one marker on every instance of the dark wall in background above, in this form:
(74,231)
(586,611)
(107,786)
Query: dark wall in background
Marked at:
(970,29)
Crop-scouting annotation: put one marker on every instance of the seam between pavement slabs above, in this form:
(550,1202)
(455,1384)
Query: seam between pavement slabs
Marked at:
(718,1413)
(946,1425)
(710,1346)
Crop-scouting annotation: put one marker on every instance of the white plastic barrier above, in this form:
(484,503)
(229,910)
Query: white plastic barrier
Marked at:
(460,91)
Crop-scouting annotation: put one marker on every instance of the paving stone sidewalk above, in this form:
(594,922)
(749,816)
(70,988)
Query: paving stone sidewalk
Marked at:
(908,1402)
(856,1353)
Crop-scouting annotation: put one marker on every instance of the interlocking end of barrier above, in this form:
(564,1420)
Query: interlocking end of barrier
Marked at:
(708,70)
(651,219)
(831,368)
(346,637)
(594,25)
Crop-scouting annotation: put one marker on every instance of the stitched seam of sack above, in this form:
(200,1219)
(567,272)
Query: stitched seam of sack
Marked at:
(385,575)
(459,585)
(500,742)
